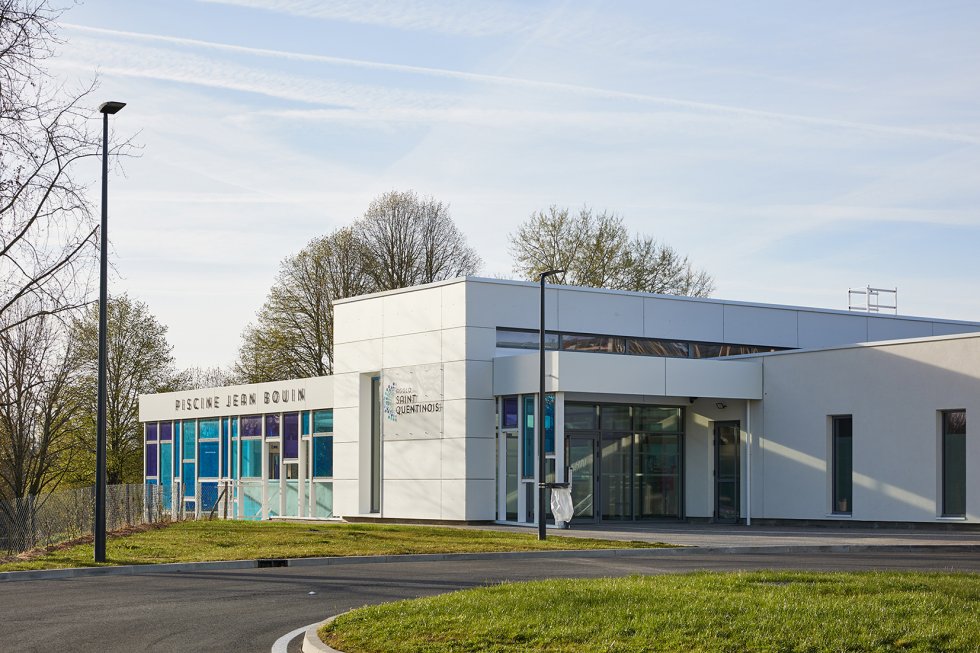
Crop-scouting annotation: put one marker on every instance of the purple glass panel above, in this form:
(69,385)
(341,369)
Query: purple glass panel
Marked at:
(151,460)
(151,432)
(509,407)
(251,426)
(166,431)
(272,426)
(290,435)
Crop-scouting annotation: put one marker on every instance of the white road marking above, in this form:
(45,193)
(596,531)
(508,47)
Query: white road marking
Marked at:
(282,644)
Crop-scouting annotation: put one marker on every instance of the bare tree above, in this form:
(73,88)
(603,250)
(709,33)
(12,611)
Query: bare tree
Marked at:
(195,378)
(46,226)
(596,250)
(410,240)
(293,336)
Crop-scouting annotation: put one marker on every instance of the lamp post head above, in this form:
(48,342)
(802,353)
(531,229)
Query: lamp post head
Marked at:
(551,273)
(111,107)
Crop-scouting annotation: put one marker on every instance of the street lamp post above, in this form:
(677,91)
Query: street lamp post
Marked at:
(106,108)
(542,484)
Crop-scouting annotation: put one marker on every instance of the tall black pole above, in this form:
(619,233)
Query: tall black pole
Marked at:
(100,439)
(542,481)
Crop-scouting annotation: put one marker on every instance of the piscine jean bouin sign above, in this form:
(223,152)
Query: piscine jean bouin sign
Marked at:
(412,402)
(282,397)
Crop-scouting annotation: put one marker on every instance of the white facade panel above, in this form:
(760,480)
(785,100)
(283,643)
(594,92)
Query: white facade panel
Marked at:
(756,325)
(414,349)
(683,320)
(588,312)
(418,311)
(897,329)
(713,378)
(827,329)
(357,320)
(412,459)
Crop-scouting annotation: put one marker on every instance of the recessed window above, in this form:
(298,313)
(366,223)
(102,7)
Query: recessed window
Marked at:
(843,467)
(954,463)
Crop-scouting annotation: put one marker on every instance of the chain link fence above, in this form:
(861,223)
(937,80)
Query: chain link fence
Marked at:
(37,521)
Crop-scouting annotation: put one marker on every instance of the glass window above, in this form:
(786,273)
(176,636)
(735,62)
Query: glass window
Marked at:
(525,339)
(323,456)
(954,463)
(304,421)
(272,425)
(843,464)
(706,350)
(549,423)
(615,418)
(658,419)
(512,481)
(251,458)
(207,458)
(151,432)
(605,344)
(207,429)
(528,471)
(177,450)
(151,459)
(225,445)
(509,407)
(251,426)
(323,421)
(187,478)
(649,347)
(290,435)
(580,416)
(166,431)
(190,442)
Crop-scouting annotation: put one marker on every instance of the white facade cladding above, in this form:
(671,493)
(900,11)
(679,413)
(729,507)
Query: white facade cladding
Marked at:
(657,407)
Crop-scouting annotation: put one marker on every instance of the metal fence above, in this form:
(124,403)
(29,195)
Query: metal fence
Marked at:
(36,521)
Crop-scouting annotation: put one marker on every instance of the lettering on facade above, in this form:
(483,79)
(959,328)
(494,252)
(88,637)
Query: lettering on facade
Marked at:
(403,400)
(412,402)
(284,395)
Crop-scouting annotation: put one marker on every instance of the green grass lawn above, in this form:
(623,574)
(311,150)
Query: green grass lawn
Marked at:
(703,612)
(194,541)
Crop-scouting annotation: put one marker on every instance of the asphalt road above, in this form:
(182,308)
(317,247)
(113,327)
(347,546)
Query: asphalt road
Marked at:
(247,610)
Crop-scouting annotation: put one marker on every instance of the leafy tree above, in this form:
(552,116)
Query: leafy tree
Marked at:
(47,229)
(401,241)
(596,250)
(195,378)
(139,361)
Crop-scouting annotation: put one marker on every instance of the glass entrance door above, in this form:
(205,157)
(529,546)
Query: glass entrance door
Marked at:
(582,474)
(727,471)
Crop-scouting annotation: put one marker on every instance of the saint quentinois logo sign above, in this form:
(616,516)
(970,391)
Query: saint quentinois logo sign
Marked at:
(412,402)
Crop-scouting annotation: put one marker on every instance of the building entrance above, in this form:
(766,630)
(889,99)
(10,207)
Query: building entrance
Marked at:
(624,462)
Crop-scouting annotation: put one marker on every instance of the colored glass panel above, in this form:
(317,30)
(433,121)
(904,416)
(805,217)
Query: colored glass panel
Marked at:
(207,459)
(209,495)
(251,458)
(225,446)
(188,432)
(509,419)
(208,429)
(151,458)
(290,435)
(166,431)
(251,426)
(323,456)
(549,423)
(234,458)
(166,472)
(528,467)
(188,479)
(305,422)
(323,496)
(151,432)
(323,421)
(272,425)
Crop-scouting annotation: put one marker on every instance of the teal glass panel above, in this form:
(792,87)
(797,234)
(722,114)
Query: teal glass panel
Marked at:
(207,459)
(528,471)
(292,499)
(225,446)
(166,472)
(208,429)
(234,458)
(272,492)
(323,496)
(189,439)
(304,419)
(252,501)
(177,432)
(323,421)
(323,456)
(251,458)
(188,479)
(549,423)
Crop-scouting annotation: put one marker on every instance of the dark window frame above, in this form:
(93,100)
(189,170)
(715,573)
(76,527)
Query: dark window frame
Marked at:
(944,463)
(835,463)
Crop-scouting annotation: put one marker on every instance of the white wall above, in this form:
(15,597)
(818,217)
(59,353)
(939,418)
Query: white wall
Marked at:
(894,393)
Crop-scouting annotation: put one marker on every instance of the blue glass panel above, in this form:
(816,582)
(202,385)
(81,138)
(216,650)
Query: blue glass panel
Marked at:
(225,446)
(151,432)
(207,429)
(323,421)
(549,423)
(251,426)
(151,481)
(234,458)
(290,435)
(251,458)
(209,495)
(187,478)
(207,459)
(272,425)
(509,409)
(151,458)
(189,439)
(323,455)
(166,431)
(528,436)
(305,421)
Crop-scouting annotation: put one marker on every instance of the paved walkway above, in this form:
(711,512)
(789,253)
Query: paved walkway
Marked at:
(719,535)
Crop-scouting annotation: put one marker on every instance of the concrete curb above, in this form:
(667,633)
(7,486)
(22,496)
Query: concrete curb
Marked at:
(312,642)
(178,567)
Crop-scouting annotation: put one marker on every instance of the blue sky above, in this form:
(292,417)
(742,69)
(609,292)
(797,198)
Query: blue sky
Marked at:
(792,149)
